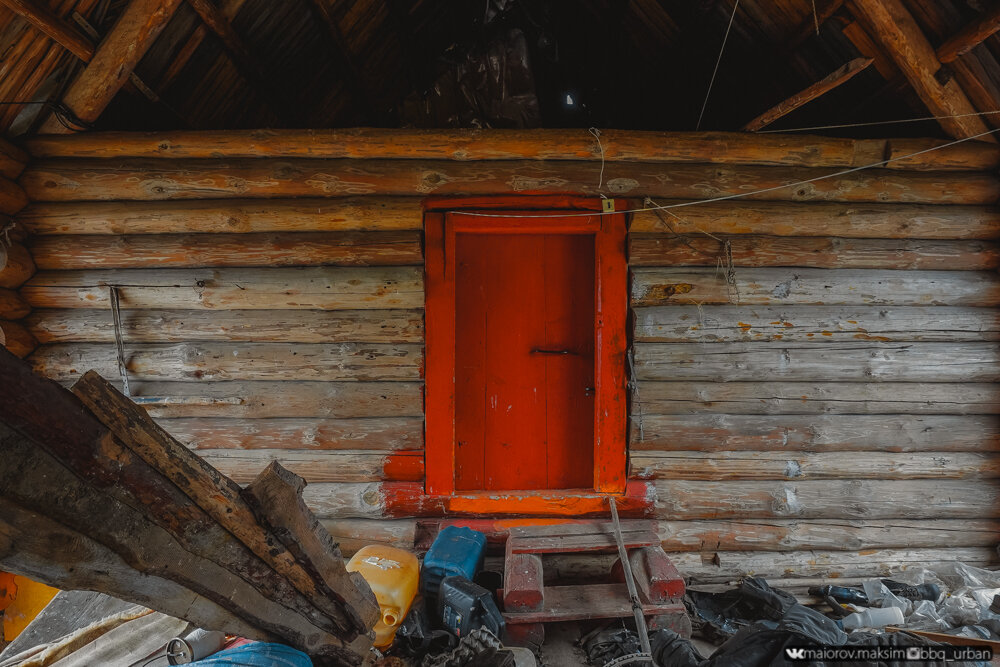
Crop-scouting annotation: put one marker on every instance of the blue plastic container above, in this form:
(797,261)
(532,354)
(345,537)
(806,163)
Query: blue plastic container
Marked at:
(455,552)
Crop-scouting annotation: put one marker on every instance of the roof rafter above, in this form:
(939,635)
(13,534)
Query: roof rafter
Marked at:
(61,32)
(353,75)
(970,36)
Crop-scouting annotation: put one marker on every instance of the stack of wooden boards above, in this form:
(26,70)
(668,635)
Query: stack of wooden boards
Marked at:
(94,495)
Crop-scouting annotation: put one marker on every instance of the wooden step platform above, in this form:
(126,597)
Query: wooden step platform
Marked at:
(528,603)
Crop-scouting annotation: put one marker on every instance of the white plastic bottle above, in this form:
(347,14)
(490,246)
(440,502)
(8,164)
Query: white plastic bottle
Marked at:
(874,618)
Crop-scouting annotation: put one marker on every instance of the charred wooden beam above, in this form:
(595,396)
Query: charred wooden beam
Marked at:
(821,87)
(113,61)
(970,36)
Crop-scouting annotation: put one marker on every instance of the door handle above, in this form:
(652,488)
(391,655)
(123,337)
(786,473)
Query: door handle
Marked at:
(543,350)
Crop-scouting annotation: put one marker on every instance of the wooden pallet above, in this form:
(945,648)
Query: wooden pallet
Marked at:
(529,603)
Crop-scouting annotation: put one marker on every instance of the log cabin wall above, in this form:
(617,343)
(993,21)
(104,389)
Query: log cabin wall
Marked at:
(816,366)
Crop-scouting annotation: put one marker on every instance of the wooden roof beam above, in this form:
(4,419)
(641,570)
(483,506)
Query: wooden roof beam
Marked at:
(970,36)
(810,25)
(353,75)
(807,95)
(133,33)
(61,32)
(900,36)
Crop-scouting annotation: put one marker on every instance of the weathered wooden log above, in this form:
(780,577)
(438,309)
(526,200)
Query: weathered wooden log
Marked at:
(203,250)
(907,221)
(115,58)
(828,534)
(243,361)
(968,37)
(695,286)
(755,398)
(354,610)
(494,144)
(259,326)
(12,159)
(746,465)
(816,433)
(236,215)
(827,499)
(353,534)
(380,434)
(324,288)
(815,252)
(115,497)
(262,400)
(17,339)
(329,466)
(17,267)
(12,306)
(37,547)
(12,197)
(705,324)
(150,179)
(824,362)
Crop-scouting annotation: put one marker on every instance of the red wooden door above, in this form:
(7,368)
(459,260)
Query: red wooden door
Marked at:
(524,361)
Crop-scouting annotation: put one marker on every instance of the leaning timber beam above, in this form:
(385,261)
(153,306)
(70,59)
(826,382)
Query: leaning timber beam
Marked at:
(122,49)
(38,15)
(821,87)
(899,34)
(970,36)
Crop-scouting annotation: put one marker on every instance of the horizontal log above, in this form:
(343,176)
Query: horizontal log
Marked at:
(260,326)
(494,144)
(235,215)
(827,499)
(324,288)
(770,398)
(353,534)
(15,265)
(12,197)
(12,305)
(12,159)
(744,465)
(392,248)
(317,467)
(16,338)
(820,361)
(815,252)
(242,361)
(698,286)
(263,400)
(385,433)
(889,221)
(828,534)
(816,433)
(151,179)
(706,324)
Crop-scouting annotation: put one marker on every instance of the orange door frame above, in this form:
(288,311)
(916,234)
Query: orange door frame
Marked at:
(513,215)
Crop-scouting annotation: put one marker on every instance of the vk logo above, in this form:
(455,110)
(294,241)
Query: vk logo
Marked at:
(795,653)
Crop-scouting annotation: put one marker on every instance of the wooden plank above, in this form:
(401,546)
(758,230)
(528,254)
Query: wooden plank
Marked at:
(705,324)
(119,52)
(12,197)
(228,250)
(901,37)
(818,397)
(815,252)
(333,288)
(804,286)
(827,499)
(258,326)
(12,306)
(151,179)
(351,610)
(372,433)
(16,339)
(230,216)
(503,144)
(587,602)
(746,465)
(905,221)
(353,534)
(826,534)
(43,19)
(18,266)
(602,528)
(242,361)
(816,433)
(824,362)
(970,36)
(328,466)
(264,400)
(580,543)
(839,76)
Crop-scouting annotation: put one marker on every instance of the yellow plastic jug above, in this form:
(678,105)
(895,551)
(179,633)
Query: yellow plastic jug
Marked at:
(393,575)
